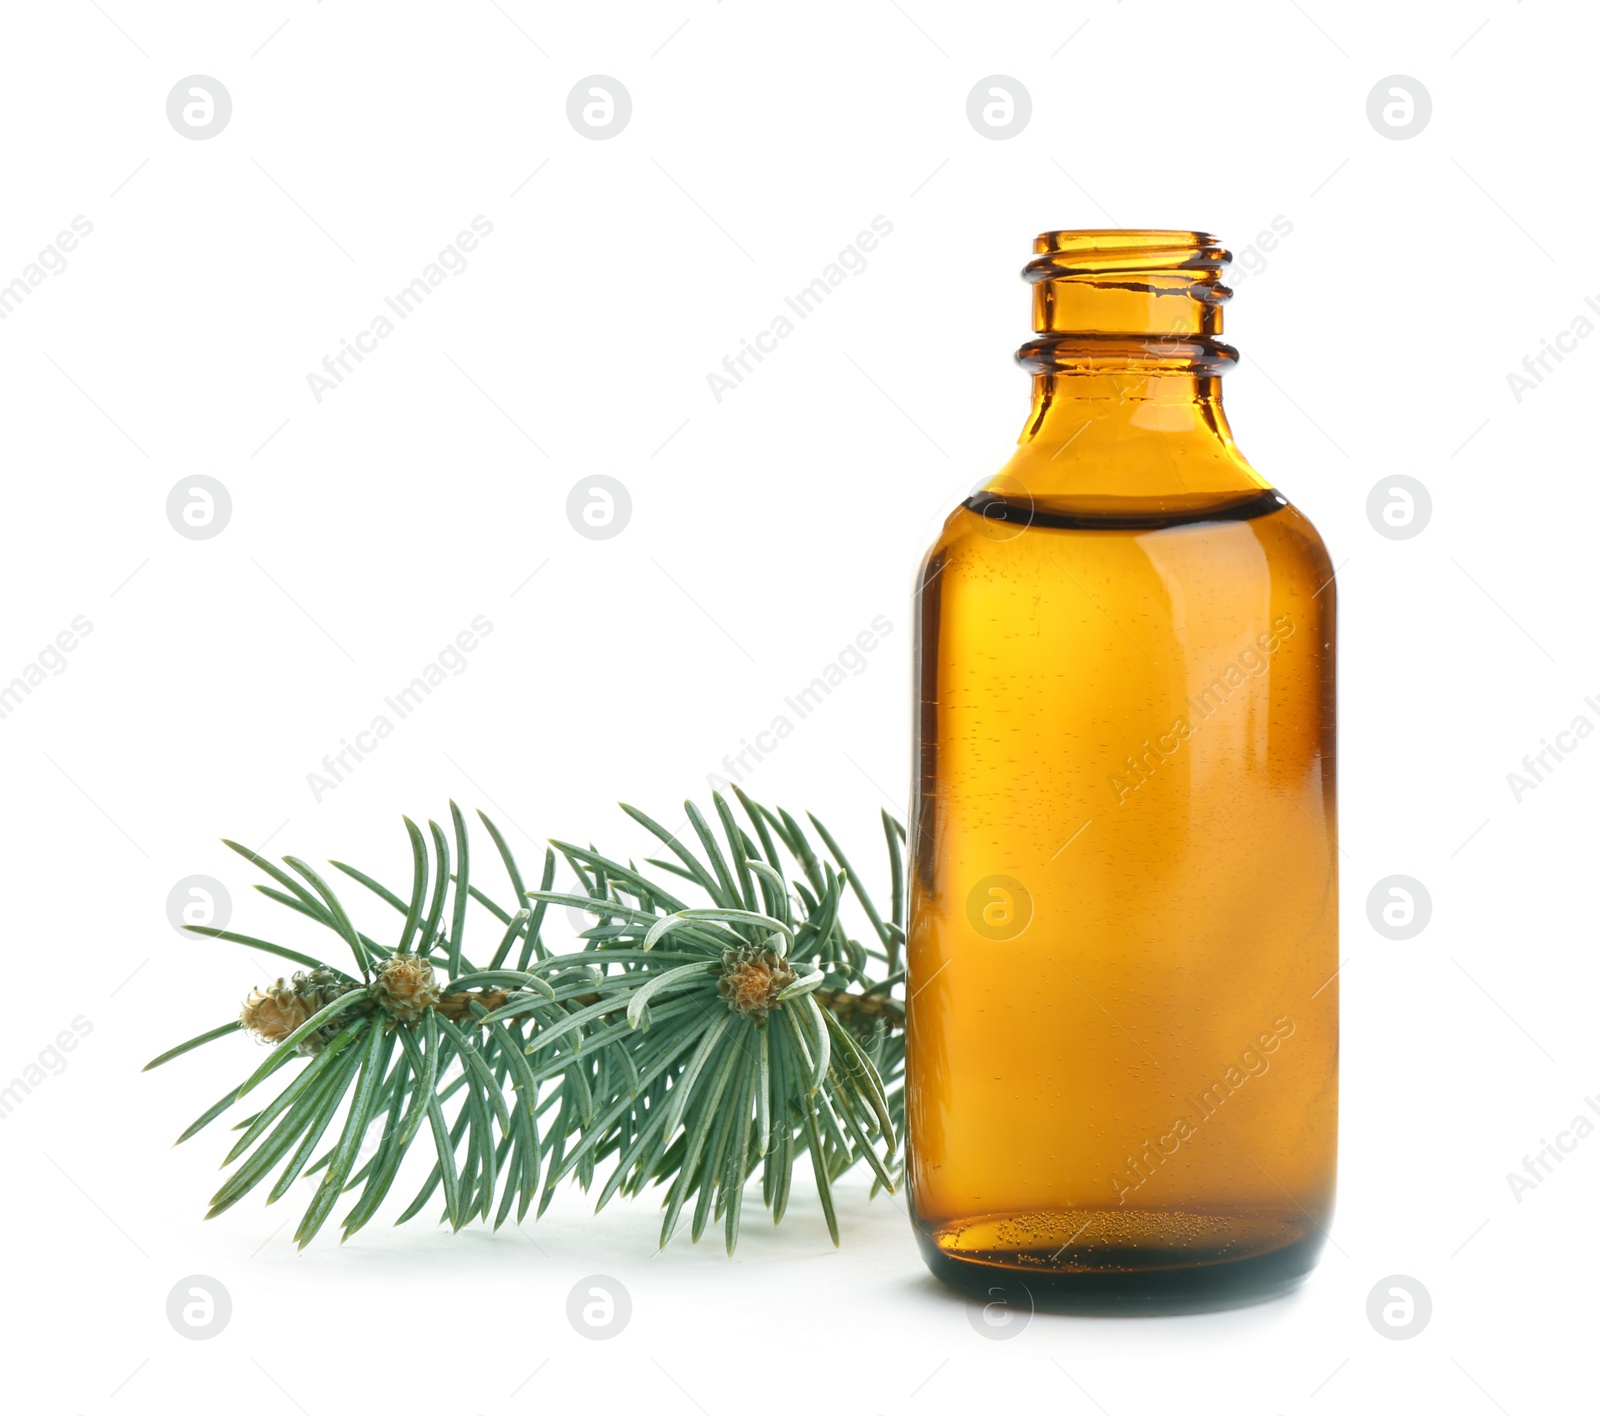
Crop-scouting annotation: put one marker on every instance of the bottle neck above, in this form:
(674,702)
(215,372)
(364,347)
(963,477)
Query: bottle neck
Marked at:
(1127,364)
(1123,403)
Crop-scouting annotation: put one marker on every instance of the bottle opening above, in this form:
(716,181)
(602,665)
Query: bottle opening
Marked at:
(1117,298)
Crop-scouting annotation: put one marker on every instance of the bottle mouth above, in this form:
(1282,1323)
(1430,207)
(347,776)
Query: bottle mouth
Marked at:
(1119,298)
(1062,254)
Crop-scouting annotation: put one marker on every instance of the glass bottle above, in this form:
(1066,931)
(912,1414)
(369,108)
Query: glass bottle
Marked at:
(1122,1023)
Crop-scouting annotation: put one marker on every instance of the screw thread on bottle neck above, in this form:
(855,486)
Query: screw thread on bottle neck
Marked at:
(1144,301)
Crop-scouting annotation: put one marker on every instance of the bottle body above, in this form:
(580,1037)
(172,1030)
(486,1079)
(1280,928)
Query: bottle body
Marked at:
(1122,1023)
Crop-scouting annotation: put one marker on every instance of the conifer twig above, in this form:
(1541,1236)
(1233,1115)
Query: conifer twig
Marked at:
(680,1045)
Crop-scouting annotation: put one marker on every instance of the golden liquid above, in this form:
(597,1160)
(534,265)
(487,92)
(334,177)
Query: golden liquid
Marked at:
(1122,1031)
(1122,1026)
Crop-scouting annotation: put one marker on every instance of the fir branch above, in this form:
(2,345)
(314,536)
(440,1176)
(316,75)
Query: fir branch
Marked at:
(685,1046)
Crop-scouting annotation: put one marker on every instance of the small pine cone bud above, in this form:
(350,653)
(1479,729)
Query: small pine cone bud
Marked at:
(273,1012)
(752,978)
(404,987)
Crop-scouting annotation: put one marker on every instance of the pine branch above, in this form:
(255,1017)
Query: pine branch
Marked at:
(684,1046)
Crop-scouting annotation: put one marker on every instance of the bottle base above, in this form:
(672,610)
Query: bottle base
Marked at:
(1226,1264)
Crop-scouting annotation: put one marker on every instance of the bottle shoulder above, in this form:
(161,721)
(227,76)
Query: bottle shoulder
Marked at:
(989,535)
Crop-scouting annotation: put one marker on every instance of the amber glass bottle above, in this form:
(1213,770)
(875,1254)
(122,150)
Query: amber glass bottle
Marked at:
(1123,1012)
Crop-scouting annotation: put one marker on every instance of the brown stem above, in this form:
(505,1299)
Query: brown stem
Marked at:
(458,1006)
(862,1010)
(854,1010)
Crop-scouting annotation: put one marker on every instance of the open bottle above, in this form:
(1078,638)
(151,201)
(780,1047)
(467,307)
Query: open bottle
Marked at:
(1122,998)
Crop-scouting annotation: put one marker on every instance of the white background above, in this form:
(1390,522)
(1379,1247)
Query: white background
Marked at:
(767,531)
